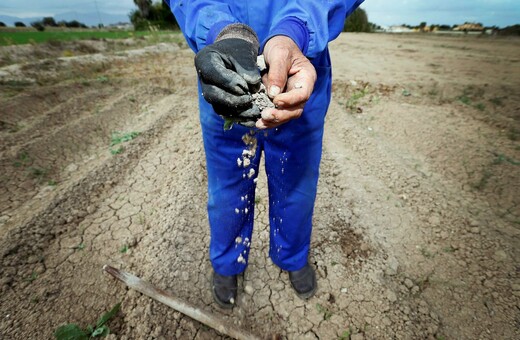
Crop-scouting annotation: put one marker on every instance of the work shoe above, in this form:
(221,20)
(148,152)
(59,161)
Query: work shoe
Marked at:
(304,282)
(224,290)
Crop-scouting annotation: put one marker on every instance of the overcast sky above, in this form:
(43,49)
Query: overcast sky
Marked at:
(382,12)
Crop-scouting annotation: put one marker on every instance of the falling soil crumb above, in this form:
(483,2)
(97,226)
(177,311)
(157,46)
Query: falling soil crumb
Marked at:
(251,173)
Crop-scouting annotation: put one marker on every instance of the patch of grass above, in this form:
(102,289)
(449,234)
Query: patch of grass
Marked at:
(35,299)
(354,99)
(33,37)
(123,249)
(464,99)
(100,329)
(22,159)
(501,158)
(345,335)
(480,106)
(448,249)
(120,137)
(327,314)
(80,246)
(258,200)
(117,151)
(406,93)
(102,79)
(33,277)
(52,183)
(38,173)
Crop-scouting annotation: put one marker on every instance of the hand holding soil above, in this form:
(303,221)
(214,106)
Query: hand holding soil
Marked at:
(289,69)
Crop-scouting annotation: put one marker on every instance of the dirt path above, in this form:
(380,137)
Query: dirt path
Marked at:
(416,221)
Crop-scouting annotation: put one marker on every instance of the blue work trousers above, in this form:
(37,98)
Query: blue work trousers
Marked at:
(292,159)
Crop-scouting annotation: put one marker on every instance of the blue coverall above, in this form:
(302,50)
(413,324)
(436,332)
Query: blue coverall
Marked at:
(292,151)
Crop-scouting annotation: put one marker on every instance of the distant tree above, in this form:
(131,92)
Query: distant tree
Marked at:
(144,7)
(157,15)
(422,26)
(62,23)
(38,25)
(357,22)
(2,24)
(49,21)
(19,24)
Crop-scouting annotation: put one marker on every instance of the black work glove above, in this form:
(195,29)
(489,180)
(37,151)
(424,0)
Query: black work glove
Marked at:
(229,74)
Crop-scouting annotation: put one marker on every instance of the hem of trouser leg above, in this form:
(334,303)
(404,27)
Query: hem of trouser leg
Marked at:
(228,273)
(289,268)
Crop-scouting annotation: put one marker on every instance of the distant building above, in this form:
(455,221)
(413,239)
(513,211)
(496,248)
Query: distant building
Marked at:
(399,29)
(469,27)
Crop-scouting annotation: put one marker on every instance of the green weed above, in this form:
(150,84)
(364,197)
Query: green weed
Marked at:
(480,106)
(117,151)
(464,99)
(327,314)
(22,160)
(354,99)
(100,329)
(345,335)
(33,277)
(102,79)
(497,101)
(123,249)
(38,173)
(120,137)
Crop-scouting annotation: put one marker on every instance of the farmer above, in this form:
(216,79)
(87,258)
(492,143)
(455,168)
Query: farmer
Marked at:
(227,37)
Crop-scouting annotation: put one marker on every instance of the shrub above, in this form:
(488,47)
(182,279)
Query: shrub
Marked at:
(38,25)
(19,24)
(357,22)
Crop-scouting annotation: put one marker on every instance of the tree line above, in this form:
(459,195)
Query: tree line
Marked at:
(40,25)
(149,14)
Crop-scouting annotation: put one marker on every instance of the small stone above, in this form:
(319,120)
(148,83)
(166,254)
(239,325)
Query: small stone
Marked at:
(344,290)
(515,286)
(500,255)
(408,283)
(249,289)
(475,230)
(359,298)
(391,296)
(392,266)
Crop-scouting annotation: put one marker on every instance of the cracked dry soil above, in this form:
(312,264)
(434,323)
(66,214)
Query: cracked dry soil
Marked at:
(416,222)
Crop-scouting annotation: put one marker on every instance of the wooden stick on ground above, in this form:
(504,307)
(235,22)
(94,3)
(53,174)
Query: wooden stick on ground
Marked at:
(169,300)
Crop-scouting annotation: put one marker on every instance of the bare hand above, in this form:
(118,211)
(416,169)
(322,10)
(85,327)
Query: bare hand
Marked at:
(289,81)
